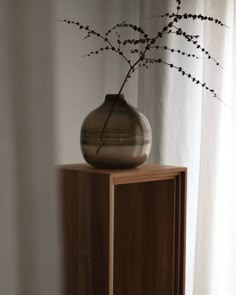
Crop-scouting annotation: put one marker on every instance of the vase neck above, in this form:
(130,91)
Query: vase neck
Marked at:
(112,97)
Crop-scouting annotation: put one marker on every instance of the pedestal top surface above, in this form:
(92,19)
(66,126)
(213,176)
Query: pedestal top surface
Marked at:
(141,173)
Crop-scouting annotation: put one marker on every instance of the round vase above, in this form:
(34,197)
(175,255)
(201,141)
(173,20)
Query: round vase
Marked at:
(115,135)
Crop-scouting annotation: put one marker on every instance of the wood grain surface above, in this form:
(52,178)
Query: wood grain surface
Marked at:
(124,230)
(144,238)
(85,203)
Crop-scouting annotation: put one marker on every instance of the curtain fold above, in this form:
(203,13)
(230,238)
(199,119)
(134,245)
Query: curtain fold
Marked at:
(29,219)
(214,256)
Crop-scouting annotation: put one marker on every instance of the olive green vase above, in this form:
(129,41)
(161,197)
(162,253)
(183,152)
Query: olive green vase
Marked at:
(115,135)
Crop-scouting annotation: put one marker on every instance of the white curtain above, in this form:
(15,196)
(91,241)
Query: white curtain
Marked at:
(190,126)
(29,211)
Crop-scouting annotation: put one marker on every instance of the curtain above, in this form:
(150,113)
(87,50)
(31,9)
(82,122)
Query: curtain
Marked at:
(215,257)
(193,129)
(29,211)
(190,127)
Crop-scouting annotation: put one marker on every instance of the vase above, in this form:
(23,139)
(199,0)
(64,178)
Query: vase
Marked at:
(115,135)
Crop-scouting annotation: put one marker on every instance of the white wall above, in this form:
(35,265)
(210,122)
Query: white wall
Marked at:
(82,82)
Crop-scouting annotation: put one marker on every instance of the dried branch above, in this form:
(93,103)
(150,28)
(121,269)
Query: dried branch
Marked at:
(184,73)
(143,43)
(187,16)
(180,32)
(178,6)
(176,50)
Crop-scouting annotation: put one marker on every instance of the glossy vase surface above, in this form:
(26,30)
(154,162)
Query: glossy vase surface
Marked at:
(115,135)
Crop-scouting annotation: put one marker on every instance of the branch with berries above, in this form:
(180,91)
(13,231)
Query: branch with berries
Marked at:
(143,49)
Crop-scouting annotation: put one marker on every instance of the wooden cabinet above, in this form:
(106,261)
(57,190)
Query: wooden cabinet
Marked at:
(124,230)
